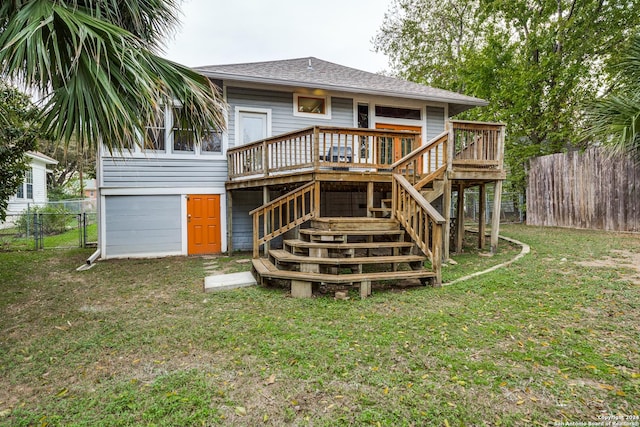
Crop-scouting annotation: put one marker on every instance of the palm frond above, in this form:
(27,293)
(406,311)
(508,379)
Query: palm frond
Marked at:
(101,81)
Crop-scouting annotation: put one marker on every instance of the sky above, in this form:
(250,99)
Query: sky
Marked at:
(215,32)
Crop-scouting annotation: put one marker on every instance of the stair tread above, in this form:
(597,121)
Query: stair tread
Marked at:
(282,255)
(356,219)
(314,232)
(354,223)
(338,245)
(265,268)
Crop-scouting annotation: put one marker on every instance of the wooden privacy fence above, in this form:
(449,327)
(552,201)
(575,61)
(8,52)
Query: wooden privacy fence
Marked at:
(584,190)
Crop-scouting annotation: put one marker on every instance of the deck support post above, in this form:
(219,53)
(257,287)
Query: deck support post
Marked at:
(482,217)
(301,289)
(460,219)
(446,213)
(369,198)
(495,219)
(365,288)
(268,220)
(229,222)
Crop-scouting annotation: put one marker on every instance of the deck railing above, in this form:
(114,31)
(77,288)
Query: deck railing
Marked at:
(284,213)
(315,148)
(425,163)
(420,220)
(477,145)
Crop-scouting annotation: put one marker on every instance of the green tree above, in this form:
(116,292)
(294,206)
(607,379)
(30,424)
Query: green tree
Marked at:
(96,64)
(18,134)
(537,63)
(615,118)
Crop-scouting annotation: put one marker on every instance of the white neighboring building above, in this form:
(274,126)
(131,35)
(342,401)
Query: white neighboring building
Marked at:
(34,188)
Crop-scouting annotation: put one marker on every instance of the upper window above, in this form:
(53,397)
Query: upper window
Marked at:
(311,106)
(398,113)
(25,191)
(156,133)
(183,138)
(211,143)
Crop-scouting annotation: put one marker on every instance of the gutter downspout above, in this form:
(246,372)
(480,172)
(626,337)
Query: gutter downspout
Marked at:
(94,256)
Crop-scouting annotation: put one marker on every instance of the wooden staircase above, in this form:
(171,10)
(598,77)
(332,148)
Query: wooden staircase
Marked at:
(433,190)
(349,252)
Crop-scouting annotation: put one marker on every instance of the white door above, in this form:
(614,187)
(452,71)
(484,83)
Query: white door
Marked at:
(253,126)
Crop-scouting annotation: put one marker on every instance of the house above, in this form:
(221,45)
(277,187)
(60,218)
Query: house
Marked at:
(305,139)
(90,190)
(33,191)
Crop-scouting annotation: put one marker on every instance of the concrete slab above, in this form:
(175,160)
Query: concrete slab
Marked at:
(224,282)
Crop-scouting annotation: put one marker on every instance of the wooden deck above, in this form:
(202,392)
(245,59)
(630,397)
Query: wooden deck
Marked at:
(466,151)
(466,154)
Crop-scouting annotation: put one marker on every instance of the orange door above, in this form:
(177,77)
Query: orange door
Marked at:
(390,150)
(203,224)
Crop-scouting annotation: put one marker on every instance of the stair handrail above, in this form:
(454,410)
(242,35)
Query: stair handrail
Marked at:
(292,210)
(435,166)
(421,221)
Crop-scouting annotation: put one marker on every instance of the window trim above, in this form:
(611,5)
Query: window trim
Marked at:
(327,106)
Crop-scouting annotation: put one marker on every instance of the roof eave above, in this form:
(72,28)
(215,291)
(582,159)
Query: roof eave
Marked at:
(42,157)
(468,103)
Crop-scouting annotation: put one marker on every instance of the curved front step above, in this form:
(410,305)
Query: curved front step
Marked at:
(265,269)
(287,257)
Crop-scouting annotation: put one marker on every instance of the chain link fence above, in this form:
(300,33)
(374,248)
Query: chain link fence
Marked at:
(61,224)
(512,207)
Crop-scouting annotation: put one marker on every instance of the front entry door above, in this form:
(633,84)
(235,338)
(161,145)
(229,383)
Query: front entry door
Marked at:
(203,224)
(390,150)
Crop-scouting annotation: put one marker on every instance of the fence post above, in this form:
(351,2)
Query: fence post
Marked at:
(80,233)
(84,229)
(28,216)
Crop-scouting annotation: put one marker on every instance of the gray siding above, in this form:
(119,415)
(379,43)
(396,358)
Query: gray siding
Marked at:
(142,225)
(243,203)
(281,106)
(435,122)
(163,172)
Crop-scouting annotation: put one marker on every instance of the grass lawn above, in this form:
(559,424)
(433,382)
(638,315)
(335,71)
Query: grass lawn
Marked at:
(552,338)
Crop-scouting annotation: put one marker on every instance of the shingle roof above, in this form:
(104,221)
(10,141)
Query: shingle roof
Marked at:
(315,73)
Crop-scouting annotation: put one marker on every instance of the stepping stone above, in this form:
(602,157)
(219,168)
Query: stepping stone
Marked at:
(223,282)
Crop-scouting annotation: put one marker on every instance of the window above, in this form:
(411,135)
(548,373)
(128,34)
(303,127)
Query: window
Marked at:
(183,138)
(311,106)
(211,143)
(363,122)
(26,188)
(398,113)
(156,133)
(28,183)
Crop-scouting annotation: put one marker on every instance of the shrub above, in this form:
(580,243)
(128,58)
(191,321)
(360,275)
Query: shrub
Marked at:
(54,219)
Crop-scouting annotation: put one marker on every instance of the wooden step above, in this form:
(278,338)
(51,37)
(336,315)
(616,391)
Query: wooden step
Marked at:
(380,212)
(338,245)
(333,235)
(284,256)
(354,224)
(266,269)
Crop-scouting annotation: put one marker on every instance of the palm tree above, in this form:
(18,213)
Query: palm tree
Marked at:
(96,64)
(615,118)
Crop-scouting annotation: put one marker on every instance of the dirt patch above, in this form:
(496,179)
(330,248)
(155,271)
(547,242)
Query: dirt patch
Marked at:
(620,259)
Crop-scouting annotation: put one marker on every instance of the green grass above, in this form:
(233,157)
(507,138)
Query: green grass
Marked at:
(137,342)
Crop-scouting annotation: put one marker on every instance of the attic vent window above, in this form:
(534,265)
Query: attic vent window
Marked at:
(311,106)
(398,113)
